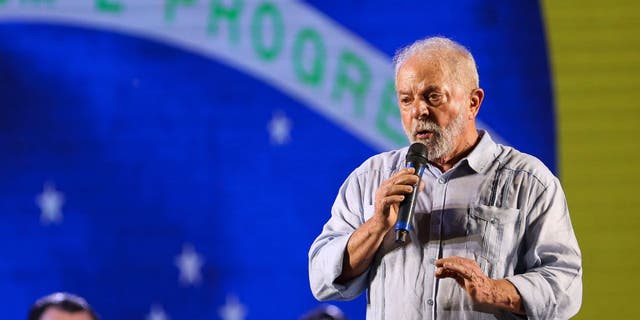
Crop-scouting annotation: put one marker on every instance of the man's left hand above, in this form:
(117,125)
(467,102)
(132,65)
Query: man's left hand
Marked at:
(483,291)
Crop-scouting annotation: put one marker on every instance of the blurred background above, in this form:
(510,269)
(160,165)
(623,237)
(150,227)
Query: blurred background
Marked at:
(175,159)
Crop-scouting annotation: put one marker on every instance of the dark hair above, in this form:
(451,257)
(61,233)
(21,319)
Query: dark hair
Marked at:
(62,300)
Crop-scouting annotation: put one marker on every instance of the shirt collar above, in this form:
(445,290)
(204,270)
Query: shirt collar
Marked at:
(483,154)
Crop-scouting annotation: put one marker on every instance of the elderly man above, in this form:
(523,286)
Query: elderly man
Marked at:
(491,237)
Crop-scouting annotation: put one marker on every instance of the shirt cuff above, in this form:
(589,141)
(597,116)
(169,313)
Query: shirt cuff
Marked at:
(534,292)
(331,268)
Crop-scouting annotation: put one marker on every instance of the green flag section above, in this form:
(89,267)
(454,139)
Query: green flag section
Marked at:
(314,60)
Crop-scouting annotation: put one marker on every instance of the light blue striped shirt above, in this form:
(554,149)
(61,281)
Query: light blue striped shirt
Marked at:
(498,206)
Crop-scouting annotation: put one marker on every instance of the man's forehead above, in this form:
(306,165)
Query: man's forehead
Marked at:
(424,72)
(420,77)
(420,64)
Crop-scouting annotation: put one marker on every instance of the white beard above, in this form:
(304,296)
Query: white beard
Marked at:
(441,142)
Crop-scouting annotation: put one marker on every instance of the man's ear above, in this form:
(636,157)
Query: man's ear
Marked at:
(474,103)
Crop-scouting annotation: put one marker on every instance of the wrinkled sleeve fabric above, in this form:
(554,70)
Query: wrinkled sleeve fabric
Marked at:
(551,287)
(327,251)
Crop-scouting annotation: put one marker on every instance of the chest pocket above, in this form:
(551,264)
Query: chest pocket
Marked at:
(491,234)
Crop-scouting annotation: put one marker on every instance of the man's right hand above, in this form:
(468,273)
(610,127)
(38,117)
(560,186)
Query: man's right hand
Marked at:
(364,242)
(389,196)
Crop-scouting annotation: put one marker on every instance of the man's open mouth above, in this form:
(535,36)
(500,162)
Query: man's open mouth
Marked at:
(424,134)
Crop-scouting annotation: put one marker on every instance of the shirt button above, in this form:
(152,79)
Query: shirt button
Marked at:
(442,180)
(493,220)
(430,302)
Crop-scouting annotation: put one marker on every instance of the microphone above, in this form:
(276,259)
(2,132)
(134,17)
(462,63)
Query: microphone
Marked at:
(417,159)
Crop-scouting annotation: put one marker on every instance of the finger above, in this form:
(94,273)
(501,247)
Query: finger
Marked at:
(453,259)
(392,190)
(466,270)
(404,171)
(398,189)
(407,179)
(442,273)
(409,170)
(388,201)
(445,273)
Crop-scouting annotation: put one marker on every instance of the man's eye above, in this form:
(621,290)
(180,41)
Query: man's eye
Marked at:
(435,99)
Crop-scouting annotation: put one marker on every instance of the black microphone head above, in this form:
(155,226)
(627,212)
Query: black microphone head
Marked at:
(417,153)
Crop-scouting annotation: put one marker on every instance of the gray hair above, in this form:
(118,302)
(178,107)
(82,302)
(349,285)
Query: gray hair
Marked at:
(461,66)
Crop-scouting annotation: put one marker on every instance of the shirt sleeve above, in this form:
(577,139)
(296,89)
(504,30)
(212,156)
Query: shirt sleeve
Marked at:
(327,251)
(551,287)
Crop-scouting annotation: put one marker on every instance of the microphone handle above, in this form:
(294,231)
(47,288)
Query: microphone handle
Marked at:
(407,206)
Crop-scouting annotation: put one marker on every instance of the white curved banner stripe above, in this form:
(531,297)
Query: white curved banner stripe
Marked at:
(288,44)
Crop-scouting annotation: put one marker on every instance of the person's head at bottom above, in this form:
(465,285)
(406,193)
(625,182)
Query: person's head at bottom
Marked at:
(61,306)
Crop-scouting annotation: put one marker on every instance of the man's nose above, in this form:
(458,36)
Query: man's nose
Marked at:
(420,110)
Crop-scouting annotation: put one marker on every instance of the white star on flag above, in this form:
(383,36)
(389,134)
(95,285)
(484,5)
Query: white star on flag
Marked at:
(279,128)
(189,262)
(157,313)
(50,202)
(232,309)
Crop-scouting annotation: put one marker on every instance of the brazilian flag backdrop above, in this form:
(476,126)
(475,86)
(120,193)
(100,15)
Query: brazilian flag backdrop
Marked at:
(175,159)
